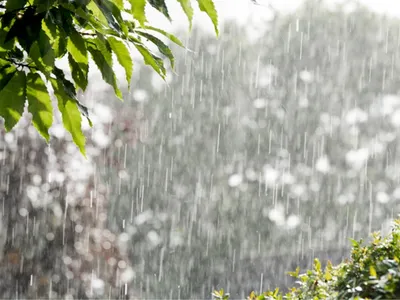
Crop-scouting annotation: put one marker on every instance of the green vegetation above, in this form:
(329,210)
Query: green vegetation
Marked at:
(35,34)
(373,272)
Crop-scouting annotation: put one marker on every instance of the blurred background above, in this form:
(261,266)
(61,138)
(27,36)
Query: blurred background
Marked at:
(265,148)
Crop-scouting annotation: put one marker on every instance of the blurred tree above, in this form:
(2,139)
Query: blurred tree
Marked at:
(259,156)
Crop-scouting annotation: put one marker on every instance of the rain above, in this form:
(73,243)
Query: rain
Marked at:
(266,147)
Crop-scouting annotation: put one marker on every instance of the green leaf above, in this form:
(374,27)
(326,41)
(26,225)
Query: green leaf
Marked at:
(208,7)
(111,13)
(26,34)
(317,265)
(57,37)
(138,10)
(7,71)
(97,14)
(70,90)
(70,113)
(161,7)
(105,67)
(39,104)
(79,72)
(15,4)
(67,85)
(76,46)
(372,272)
(123,56)
(12,99)
(150,59)
(162,47)
(187,8)
(36,56)
(294,274)
(172,37)
(43,5)
(84,111)
(328,275)
(46,49)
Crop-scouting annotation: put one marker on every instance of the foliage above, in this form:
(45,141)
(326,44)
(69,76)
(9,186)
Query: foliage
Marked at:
(373,272)
(34,35)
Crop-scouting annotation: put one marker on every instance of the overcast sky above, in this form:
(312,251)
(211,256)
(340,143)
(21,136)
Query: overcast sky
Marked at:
(241,10)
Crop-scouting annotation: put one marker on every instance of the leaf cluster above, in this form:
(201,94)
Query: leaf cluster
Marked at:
(35,34)
(372,272)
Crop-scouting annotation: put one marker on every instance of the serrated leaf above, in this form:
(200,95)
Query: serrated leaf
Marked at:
(123,56)
(188,10)
(15,4)
(39,104)
(12,99)
(150,59)
(79,72)
(161,7)
(111,13)
(84,111)
(208,7)
(76,46)
(70,90)
(162,47)
(97,14)
(172,37)
(138,10)
(67,85)
(71,115)
(106,69)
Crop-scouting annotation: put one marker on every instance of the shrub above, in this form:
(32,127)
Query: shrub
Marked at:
(372,272)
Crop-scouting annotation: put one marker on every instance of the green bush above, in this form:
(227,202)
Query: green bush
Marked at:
(372,272)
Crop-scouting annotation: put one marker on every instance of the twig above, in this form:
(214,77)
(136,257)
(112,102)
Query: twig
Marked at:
(23,65)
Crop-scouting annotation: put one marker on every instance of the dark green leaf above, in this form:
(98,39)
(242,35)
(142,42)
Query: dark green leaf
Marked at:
(162,47)
(43,5)
(79,72)
(161,7)
(110,12)
(39,104)
(150,59)
(172,37)
(56,36)
(26,34)
(15,4)
(16,54)
(67,85)
(12,99)
(84,111)
(6,72)
(105,68)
